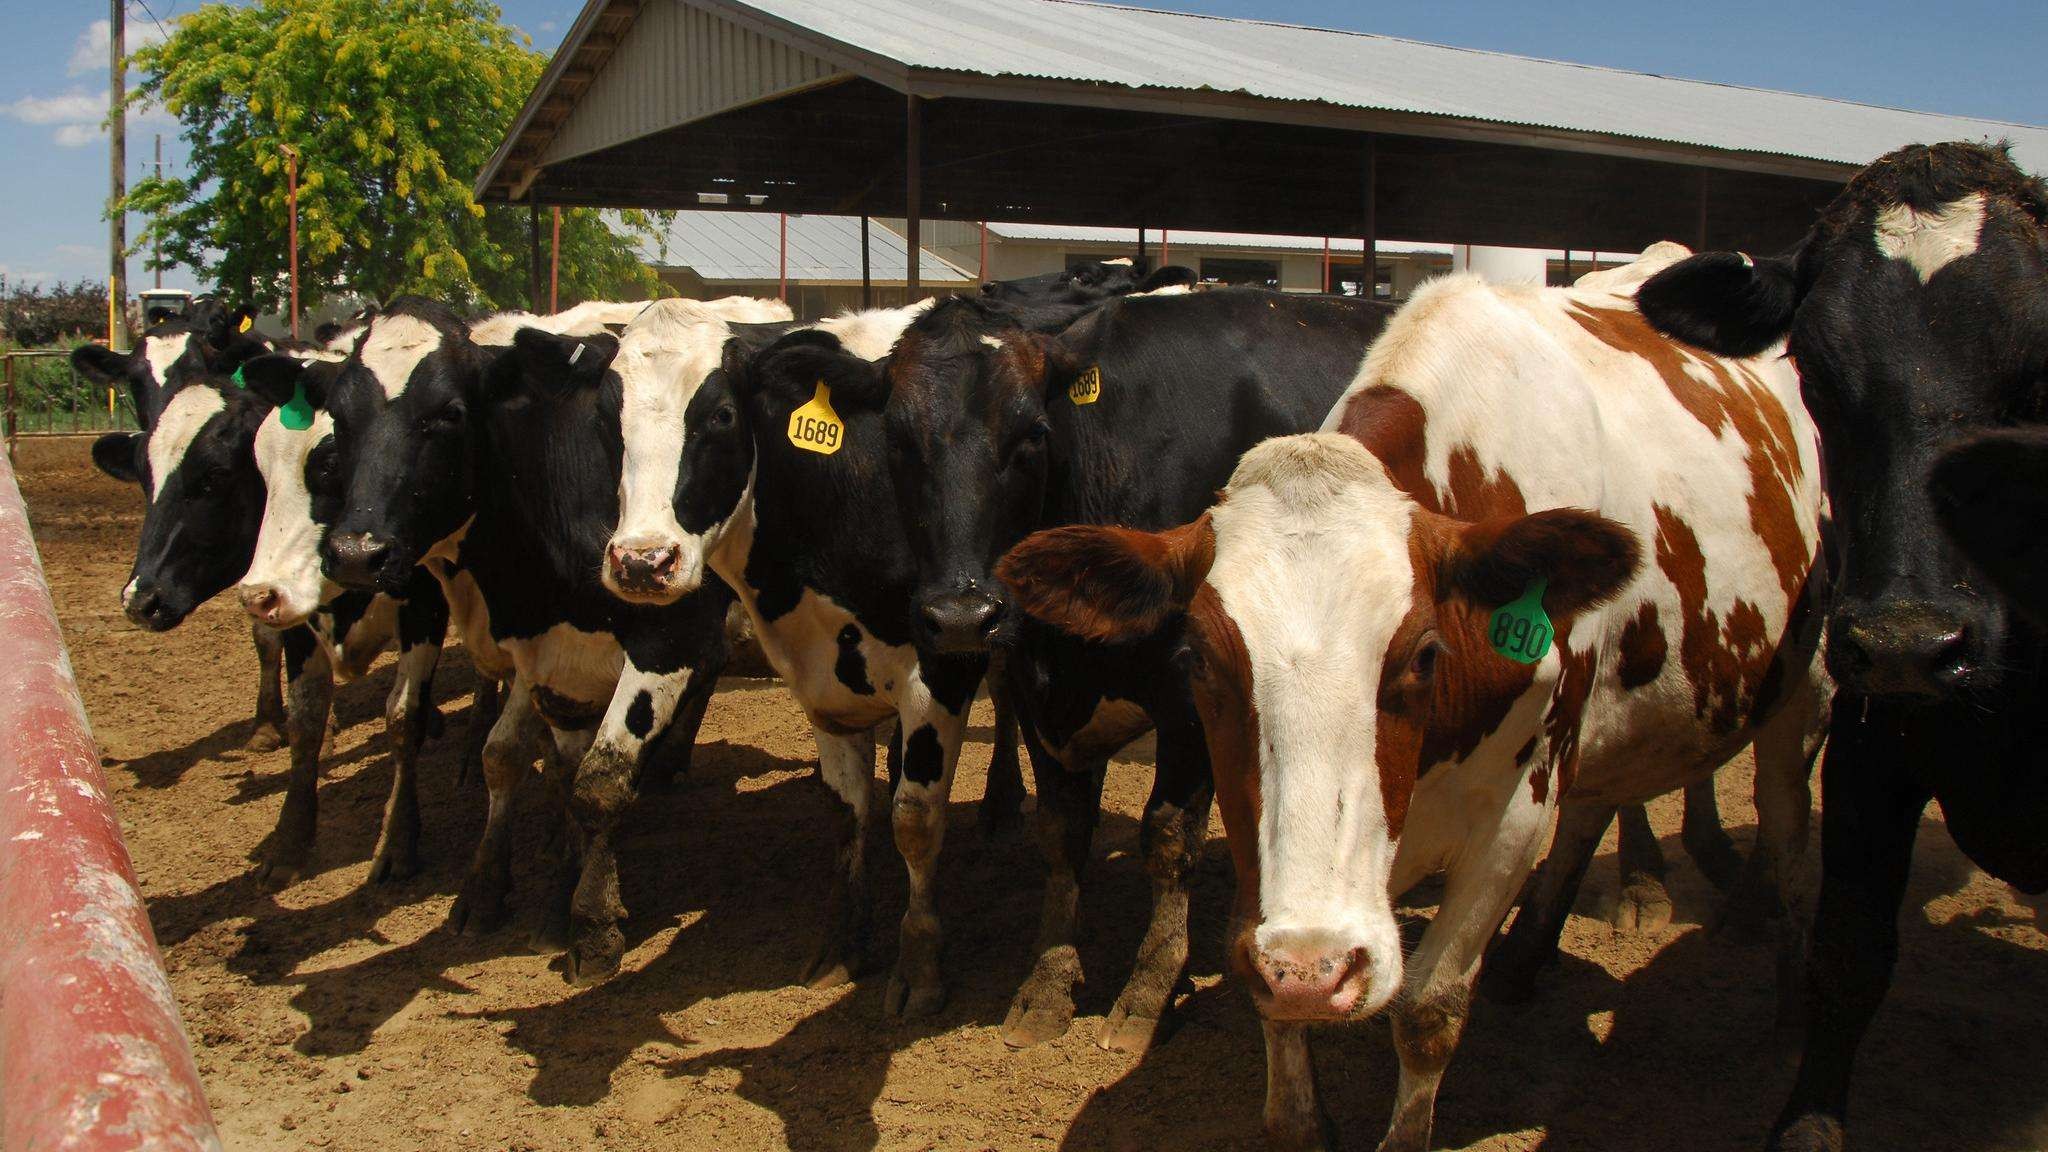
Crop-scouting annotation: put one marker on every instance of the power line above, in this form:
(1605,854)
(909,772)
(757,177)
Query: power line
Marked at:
(159,24)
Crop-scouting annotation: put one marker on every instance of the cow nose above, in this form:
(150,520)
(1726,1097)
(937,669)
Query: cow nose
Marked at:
(146,608)
(1306,976)
(642,569)
(1906,650)
(353,559)
(262,601)
(961,622)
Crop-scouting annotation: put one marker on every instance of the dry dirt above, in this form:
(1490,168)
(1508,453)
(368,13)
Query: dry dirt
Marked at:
(330,1016)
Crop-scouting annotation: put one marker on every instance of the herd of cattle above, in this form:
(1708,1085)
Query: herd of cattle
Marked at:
(1393,587)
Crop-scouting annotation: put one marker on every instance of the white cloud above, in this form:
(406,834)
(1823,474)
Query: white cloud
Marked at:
(70,108)
(89,53)
(549,26)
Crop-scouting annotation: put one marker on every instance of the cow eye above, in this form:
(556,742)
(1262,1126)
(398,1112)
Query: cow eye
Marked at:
(1188,659)
(723,416)
(1423,665)
(1039,430)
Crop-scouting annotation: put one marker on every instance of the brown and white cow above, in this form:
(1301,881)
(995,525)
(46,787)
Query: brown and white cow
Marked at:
(1335,609)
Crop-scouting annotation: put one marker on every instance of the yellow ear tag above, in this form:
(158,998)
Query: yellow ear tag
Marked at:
(815,427)
(248,322)
(1087,387)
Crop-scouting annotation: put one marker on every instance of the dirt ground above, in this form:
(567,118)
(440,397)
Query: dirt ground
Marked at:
(330,1016)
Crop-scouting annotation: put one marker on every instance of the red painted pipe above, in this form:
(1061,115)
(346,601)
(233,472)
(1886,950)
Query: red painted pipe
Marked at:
(93,1057)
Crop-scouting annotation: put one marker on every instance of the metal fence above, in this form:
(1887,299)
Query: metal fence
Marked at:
(45,395)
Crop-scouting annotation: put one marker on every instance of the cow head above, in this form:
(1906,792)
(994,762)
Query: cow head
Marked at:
(1335,636)
(406,415)
(196,464)
(304,480)
(1917,311)
(663,358)
(1082,285)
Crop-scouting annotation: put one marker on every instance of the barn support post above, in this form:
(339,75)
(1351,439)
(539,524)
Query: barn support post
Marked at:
(782,256)
(1326,265)
(1165,248)
(1700,239)
(96,1057)
(913,194)
(1141,247)
(555,262)
(533,254)
(1370,250)
(867,279)
(982,271)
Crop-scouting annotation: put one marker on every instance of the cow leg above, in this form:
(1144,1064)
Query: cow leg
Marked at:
(1531,943)
(408,712)
(1870,812)
(1644,904)
(561,851)
(508,756)
(309,672)
(1436,993)
(1785,749)
(483,716)
(1705,840)
(1069,806)
(847,764)
(1176,817)
(670,753)
(1294,1117)
(1002,804)
(932,716)
(266,734)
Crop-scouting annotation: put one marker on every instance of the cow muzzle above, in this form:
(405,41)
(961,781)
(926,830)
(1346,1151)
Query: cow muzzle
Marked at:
(356,559)
(1315,974)
(1904,650)
(645,573)
(147,608)
(961,623)
(267,603)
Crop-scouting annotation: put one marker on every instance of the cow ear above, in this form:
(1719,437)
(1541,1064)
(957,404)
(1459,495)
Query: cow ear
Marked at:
(1725,302)
(1062,361)
(1991,494)
(1105,583)
(551,366)
(115,455)
(103,365)
(276,377)
(1583,559)
(1171,276)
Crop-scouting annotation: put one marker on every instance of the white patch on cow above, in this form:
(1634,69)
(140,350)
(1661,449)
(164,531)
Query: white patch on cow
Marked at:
(284,584)
(497,330)
(395,346)
(189,410)
(568,661)
(995,342)
(1624,281)
(1931,241)
(1312,563)
(160,352)
(872,333)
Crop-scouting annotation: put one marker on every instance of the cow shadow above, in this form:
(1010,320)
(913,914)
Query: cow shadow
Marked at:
(167,766)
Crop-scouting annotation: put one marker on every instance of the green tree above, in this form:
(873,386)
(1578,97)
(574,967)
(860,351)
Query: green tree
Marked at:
(392,106)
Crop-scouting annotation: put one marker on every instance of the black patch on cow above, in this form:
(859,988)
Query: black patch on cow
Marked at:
(923,760)
(852,667)
(640,715)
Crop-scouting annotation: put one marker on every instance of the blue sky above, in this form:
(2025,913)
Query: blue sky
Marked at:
(1963,57)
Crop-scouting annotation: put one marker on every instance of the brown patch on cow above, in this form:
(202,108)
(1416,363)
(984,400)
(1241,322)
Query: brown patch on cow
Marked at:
(1736,397)
(1799,641)
(1725,659)
(1230,721)
(1567,712)
(1643,648)
(1523,753)
(1393,427)
(1107,583)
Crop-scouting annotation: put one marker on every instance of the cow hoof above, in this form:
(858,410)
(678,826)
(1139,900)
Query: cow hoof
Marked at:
(1644,906)
(1122,1032)
(265,737)
(588,968)
(1310,1133)
(550,937)
(900,999)
(1809,1133)
(1033,1021)
(392,867)
(277,875)
(831,968)
(477,911)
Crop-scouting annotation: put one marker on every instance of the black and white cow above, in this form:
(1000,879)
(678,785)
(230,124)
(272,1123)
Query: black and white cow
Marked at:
(1917,311)
(1133,415)
(498,470)
(200,527)
(1991,494)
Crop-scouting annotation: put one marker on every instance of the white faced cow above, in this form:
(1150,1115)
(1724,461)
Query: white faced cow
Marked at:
(1338,607)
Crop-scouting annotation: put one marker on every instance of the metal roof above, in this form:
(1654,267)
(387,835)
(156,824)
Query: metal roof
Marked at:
(1128,238)
(1147,49)
(743,246)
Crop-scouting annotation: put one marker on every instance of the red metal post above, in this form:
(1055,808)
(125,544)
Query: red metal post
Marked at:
(1165,249)
(555,264)
(291,204)
(1326,264)
(782,256)
(982,273)
(96,1059)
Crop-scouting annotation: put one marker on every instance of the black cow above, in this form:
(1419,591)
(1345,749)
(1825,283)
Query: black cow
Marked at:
(1134,415)
(498,469)
(1991,493)
(204,497)
(1917,310)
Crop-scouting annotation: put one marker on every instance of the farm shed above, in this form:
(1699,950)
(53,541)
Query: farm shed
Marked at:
(1052,111)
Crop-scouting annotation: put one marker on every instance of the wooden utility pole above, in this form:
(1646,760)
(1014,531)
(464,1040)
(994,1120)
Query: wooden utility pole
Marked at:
(867,280)
(156,248)
(291,205)
(117,217)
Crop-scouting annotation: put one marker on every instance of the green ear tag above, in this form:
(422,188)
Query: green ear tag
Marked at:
(1521,630)
(297,413)
(237,378)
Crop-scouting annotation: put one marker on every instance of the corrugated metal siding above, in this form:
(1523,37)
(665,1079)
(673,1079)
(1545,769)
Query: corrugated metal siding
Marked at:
(679,63)
(743,246)
(1147,49)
